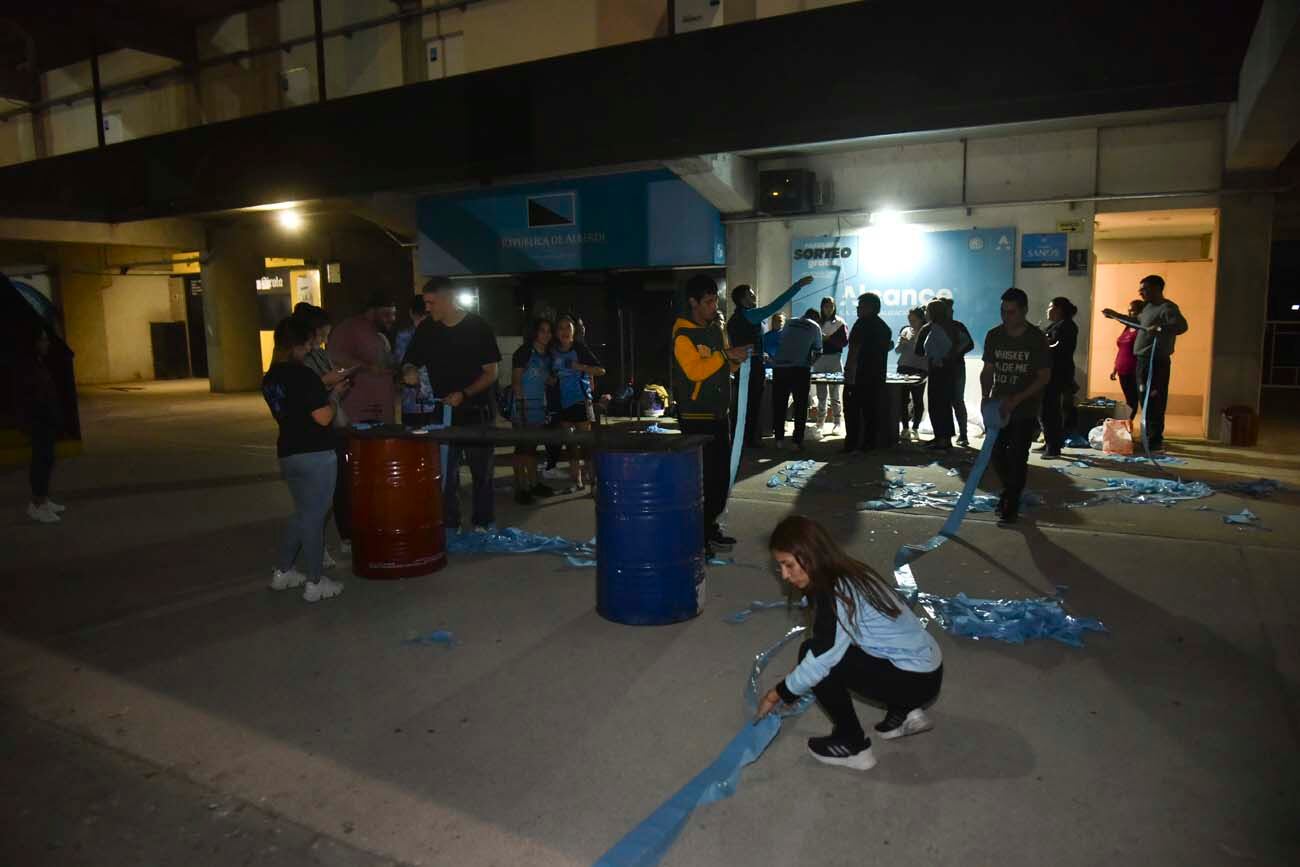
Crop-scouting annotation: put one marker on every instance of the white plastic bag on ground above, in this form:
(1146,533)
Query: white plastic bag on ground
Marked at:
(1115,437)
(1094,437)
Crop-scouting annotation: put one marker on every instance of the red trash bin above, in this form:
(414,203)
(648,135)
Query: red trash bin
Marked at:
(397,529)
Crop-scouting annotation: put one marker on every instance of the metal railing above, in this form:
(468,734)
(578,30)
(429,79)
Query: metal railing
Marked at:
(1281,354)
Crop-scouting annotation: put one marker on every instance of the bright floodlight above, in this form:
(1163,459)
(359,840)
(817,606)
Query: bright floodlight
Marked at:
(289,220)
(886,217)
(465,299)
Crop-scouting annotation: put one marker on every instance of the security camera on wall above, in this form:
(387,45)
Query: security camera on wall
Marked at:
(786,191)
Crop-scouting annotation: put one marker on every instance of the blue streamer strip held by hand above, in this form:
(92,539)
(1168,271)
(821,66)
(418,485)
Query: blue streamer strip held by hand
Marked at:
(742,408)
(647,843)
(992,412)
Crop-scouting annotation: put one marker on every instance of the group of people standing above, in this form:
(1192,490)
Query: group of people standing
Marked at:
(552,377)
(324,379)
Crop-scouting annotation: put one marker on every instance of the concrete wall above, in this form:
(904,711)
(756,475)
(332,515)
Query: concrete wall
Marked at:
(106,315)
(130,304)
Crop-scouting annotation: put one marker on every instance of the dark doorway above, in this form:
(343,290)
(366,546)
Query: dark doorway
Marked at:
(197,333)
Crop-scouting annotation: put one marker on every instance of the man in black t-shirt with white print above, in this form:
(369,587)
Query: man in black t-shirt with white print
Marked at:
(459,351)
(1017,367)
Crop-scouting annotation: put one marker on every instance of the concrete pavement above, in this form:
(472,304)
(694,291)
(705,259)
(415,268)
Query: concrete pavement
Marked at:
(138,637)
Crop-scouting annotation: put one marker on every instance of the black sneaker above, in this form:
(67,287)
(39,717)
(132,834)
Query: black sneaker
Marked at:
(962,441)
(852,753)
(721,541)
(540,490)
(898,724)
(524,498)
(1008,517)
(1002,505)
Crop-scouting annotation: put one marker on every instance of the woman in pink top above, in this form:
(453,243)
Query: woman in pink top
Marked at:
(1126,362)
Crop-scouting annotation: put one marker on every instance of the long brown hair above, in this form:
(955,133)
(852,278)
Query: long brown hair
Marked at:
(830,569)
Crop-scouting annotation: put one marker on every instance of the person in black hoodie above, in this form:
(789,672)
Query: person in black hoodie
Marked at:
(864,376)
(1058,413)
(40,415)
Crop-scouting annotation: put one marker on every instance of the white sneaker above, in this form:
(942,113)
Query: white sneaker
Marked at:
(836,429)
(327,560)
(916,722)
(814,432)
(345,548)
(56,508)
(42,514)
(322,588)
(480,528)
(286,580)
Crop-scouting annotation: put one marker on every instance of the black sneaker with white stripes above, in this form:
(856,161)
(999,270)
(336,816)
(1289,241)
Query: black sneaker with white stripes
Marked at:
(852,753)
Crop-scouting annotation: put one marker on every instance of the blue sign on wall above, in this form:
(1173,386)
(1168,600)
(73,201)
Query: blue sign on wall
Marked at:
(633,220)
(907,268)
(1043,250)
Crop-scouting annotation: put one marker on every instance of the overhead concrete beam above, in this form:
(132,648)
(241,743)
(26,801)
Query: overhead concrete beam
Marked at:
(729,182)
(177,233)
(1264,122)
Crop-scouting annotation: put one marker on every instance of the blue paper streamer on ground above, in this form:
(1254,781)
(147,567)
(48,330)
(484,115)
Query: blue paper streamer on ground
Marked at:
(796,474)
(1167,460)
(436,637)
(1258,488)
(649,841)
(512,540)
(1164,492)
(1014,621)
(759,605)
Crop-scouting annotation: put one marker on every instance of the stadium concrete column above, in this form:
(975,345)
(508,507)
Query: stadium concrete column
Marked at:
(231,266)
(1241,302)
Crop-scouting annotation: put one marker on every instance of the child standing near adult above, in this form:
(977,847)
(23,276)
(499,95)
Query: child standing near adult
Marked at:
(864,640)
(530,372)
(302,408)
(575,367)
(1126,363)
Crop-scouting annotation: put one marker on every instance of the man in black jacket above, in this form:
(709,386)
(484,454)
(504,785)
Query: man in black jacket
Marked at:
(864,376)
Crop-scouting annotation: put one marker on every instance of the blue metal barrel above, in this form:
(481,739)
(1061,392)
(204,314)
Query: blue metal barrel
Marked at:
(649,536)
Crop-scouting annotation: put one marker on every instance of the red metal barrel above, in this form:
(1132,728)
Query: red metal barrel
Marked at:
(397,527)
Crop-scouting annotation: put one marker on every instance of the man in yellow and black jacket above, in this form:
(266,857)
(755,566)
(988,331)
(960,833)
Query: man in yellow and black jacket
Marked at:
(703,365)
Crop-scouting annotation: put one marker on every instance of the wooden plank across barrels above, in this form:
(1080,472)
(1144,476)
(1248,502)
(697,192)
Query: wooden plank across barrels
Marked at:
(650,563)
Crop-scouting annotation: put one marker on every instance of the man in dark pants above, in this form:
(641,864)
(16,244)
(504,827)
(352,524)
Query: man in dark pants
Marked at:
(702,390)
(1017,367)
(801,343)
(741,332)
(39,413)
(864,376)
(1160,324)
(460,354)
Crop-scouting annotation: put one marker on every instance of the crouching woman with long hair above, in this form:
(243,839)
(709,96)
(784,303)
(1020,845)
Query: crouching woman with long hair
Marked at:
(865,640)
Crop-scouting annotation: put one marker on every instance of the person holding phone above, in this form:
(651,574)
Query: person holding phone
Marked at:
(318,361)
(301,406)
